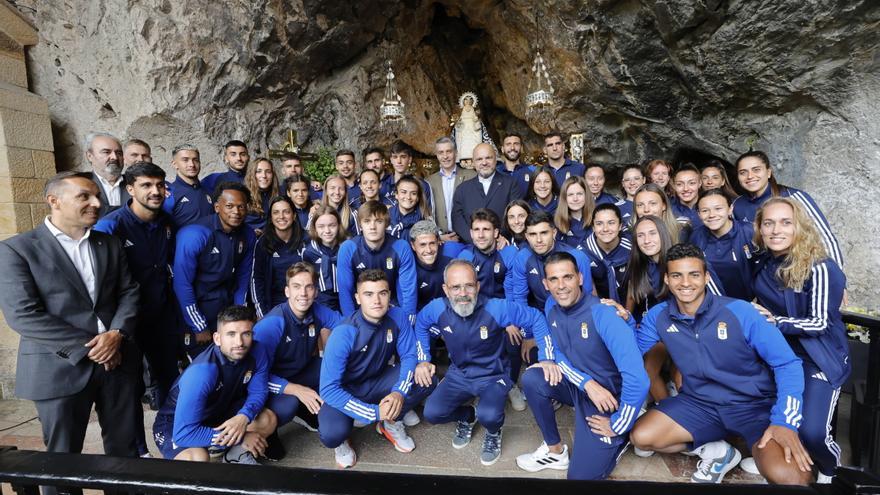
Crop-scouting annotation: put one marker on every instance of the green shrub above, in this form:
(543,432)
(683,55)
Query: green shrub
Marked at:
(322,166)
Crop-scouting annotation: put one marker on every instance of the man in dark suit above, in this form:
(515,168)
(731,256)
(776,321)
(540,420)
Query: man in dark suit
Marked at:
(487,190)
(443,185)
(68,292)
(104,153)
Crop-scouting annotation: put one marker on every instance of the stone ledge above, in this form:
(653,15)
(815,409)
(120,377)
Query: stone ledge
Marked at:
(16,162)
(16,98)
(25,129)
(13,70)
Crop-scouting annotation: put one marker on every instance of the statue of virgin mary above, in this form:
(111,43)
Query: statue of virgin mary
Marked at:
(468,131)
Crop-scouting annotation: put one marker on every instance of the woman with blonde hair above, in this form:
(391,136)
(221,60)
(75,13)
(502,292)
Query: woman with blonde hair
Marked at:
(336,196)
(800,288)
(575,211)
(260,181)
(321,251)
(651,200)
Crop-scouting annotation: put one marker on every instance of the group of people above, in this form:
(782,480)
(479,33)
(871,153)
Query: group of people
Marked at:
(674,318)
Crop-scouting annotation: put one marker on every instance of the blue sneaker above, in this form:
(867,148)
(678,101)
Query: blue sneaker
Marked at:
(713,470)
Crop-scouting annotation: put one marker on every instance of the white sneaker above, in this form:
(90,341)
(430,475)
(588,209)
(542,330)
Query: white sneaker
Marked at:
(823,479)
(345,455)
(642,453)
(748,465)
(713,469)
(517,399)
(396,434)
(542,458)
(411,418)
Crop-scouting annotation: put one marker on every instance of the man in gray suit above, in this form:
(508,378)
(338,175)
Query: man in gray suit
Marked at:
(67,291)
(104,154)
(443,185)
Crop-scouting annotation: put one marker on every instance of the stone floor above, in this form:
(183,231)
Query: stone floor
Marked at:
(433,454)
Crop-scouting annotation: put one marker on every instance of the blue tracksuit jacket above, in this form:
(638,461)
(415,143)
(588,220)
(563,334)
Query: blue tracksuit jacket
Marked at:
(270,273)
(324,260)
(526,282)
(730,256)
(493,269)
(187,203)
(211,180)
(615,261)
(394,257)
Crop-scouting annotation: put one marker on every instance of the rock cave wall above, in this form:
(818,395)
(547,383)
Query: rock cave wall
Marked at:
(641,78)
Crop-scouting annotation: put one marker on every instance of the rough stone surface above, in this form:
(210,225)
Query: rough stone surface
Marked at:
(641,78)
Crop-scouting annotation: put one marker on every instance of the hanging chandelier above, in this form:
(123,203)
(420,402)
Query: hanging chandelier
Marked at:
(391,111)
(540,100)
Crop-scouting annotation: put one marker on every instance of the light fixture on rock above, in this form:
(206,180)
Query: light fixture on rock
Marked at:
(391,111)
(540,100)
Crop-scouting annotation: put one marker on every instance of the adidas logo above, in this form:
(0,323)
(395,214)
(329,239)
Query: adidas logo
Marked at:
(275,255)
(184,200)
(365,348)
(672,329)
(214,250)
(447,329)
(501,381)
(534,271)
(606,440)
(318,261)
(360,266)
(820,376)
(287,339)
(554,324)
(128,243)
(593,264)
(424,284)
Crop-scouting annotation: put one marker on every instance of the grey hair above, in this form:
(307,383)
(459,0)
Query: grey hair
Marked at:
(444,140)
(90,137)
(183,147)
(458,262)
(423,227)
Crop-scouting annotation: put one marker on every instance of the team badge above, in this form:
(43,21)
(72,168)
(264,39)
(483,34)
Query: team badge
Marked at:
(526,177)
(747,251)
(585,332)
(567,175)
(312,330)
(240,247)
(389,263)
(208,197)
(247,377)
(497,267)
(389,336)
(722,330)
(484,332)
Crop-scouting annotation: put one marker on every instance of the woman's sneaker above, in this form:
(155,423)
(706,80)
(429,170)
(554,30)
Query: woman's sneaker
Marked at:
(345,455)
(238,455)
(543,459)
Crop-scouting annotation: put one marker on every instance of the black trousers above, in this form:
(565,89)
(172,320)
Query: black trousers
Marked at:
(65,419)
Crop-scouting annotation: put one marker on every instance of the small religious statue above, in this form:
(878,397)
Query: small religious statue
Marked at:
(468,131)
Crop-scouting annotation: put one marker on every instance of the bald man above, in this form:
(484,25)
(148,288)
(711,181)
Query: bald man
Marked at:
(487,190)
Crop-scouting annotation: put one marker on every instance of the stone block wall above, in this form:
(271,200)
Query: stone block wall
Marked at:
(27,156)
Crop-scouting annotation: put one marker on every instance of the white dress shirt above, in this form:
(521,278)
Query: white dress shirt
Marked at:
(448,182)
(486,182)
(80,254)
(113,191)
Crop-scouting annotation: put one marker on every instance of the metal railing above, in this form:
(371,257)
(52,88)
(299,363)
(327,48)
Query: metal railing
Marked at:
(865,414)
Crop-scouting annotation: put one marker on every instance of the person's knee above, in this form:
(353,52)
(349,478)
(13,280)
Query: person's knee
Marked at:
(331,436)
(644,437)
(265,422)
(194,455)
(491,418)
(780,473)
(533,380)
(434,411)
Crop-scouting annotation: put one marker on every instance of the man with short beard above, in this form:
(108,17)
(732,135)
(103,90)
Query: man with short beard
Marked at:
(136,150)
(509,165)
(487,190)
(147,236)
(562,167)
(188,200)
(236,158)
(104,153)
(474,338)
(346,167)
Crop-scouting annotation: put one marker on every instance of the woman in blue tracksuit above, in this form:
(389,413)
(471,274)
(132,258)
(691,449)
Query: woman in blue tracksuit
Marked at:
(513,225)
(280,246)
(370,187)
(609,244)
(651,200)
(726,243)
(799,288)
(575,211)
(756,177)
(260,181)
(321,251)
(631,179)
(297,188)
(543,191)
(411,206)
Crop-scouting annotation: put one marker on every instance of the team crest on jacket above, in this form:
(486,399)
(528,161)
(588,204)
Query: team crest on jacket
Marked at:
(722,330)
(247,377)
(389,263)
(497,267)
(312,330)
(484,332)
(747,251)
(208,197)
(389,335)
(585,332)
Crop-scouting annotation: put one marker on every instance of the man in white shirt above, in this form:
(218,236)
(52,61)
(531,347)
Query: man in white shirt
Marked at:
(104,154)
(443,184)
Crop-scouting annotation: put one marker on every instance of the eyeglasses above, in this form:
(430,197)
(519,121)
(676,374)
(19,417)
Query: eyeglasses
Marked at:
(469,288)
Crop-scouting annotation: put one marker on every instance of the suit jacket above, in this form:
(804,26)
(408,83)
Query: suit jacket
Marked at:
(470,196)
(46,302)
(102,195)
(436,183)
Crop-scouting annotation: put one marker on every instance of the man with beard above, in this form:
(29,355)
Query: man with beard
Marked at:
(218,401)
(375,248)
(562,167)
(443,186)
(527,276)
(147,236)
(136,150)
(213,263)
(187,200)
(236,158)
(67,291)
(511,149)
(357,381)
(346,167)
(605,379)
(479,365)
(489,190)
(493,268)
(104,153)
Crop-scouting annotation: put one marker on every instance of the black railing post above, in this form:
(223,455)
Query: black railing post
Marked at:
(866,444)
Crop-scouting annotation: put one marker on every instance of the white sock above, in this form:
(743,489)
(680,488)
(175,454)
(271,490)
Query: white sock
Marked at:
(711,450)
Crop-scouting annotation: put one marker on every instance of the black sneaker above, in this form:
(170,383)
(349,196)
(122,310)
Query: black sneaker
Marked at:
(275,450)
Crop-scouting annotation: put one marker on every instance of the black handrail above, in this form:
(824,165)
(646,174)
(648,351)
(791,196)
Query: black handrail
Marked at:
(25,470)
(867,414)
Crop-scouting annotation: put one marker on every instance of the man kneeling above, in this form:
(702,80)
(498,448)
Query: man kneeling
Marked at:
(217,403)
(740,378)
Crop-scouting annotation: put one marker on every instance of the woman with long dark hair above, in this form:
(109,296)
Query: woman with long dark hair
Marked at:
(609,244)
(297,187)
(326,235)
(260,181)
(279,247)
(756,178)
(411,207)
(514,223)
(800,288)
(713,175)
(543,191)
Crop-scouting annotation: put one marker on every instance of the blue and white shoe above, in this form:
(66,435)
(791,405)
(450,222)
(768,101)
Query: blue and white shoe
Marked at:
(713,470)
